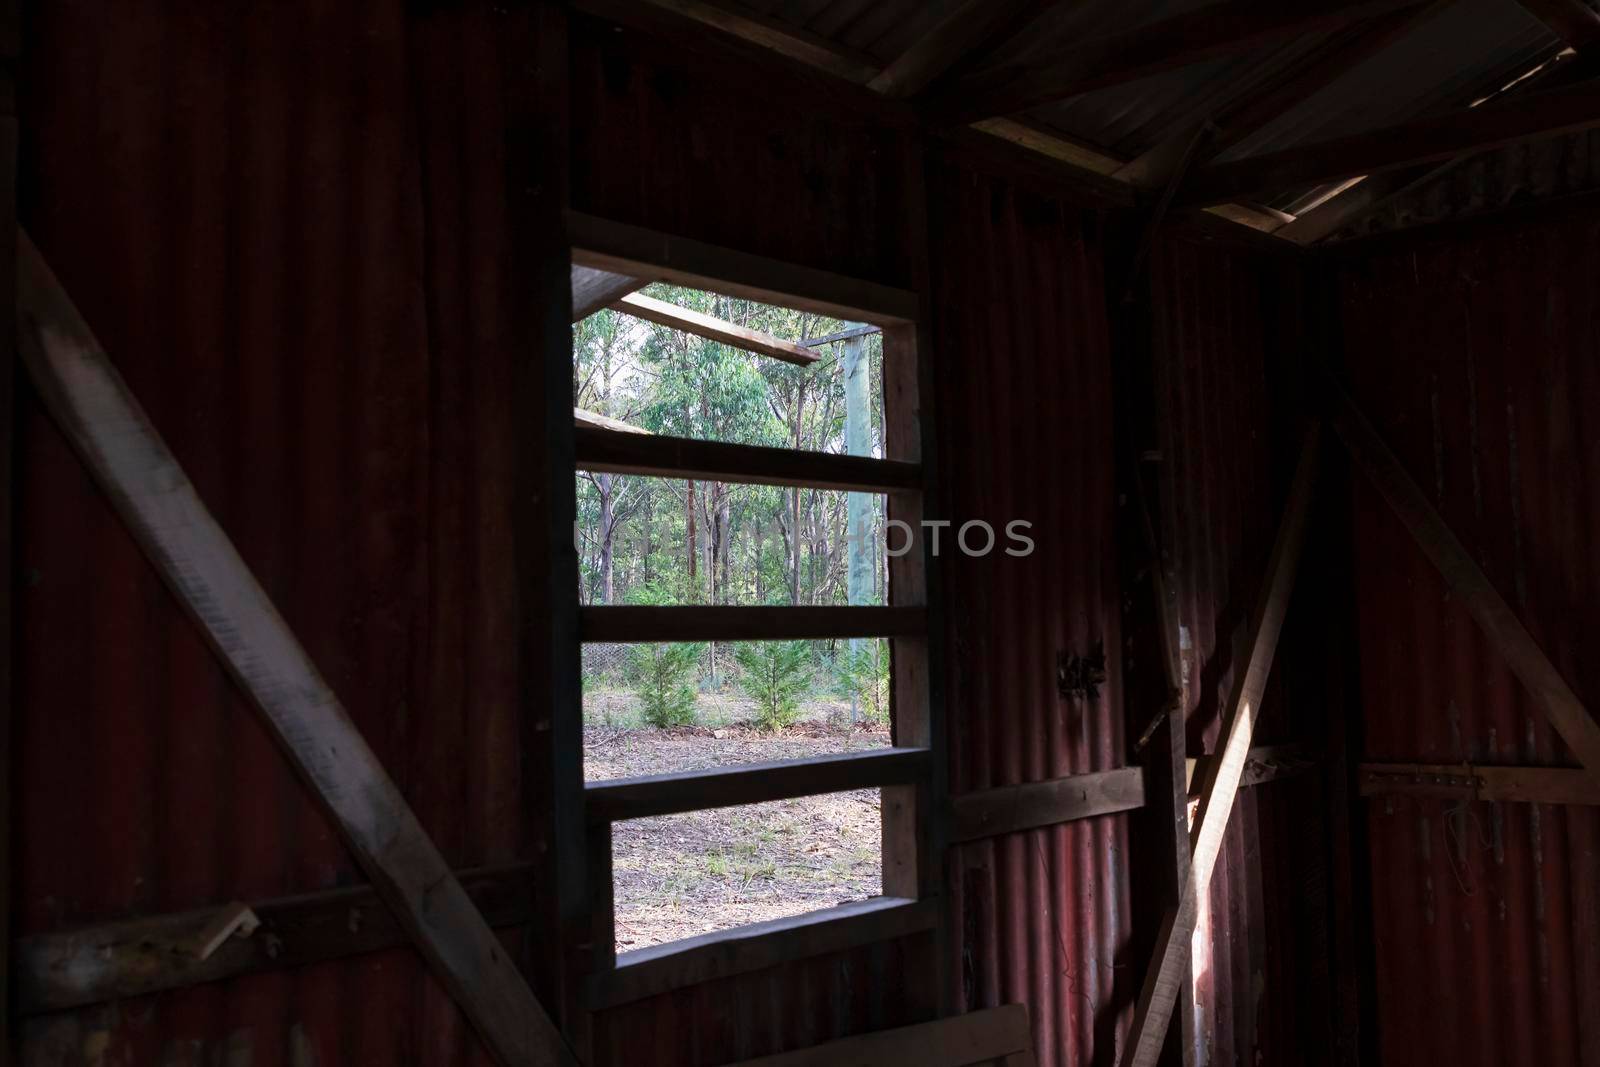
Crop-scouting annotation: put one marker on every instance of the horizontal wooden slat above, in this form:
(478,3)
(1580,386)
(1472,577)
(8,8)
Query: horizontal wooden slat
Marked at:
(978,1037)
(644,625)
(622,249)
(648,972)
(755,783)
(1008,809)
(599,449)
(1533,785)
(134,957)
(714,329)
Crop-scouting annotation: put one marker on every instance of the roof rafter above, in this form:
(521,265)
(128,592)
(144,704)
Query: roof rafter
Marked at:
(1494,125)
(1573,21)
(1220,29)
(1251,112)
(959,38)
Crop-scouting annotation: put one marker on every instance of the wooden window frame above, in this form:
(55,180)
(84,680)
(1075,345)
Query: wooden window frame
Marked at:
(909,773)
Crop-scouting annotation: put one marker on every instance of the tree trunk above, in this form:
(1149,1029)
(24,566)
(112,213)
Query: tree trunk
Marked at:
(855,366)
(608,531)
(693,543)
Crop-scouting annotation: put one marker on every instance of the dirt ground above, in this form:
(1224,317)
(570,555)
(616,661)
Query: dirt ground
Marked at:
(682,875)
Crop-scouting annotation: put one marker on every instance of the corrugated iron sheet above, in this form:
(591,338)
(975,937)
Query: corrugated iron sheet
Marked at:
(287,258)
(792,1006)
(1025,433)
(666,140)
(1525,174)
(1473,352)
(1225,338)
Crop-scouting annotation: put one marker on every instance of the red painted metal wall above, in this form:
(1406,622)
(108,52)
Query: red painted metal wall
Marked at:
(275,220)
(285,224)
(1473,351)
(1024,387)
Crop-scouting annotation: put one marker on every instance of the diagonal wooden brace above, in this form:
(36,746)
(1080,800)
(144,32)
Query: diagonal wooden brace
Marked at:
(1220,780)
(1467,580)
(126,456)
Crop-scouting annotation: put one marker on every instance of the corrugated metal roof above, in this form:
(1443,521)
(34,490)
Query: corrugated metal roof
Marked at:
(1473,353)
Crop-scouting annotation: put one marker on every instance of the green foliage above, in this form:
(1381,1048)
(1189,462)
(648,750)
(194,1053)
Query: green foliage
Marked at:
(864,675)
(775,674)
(663,675)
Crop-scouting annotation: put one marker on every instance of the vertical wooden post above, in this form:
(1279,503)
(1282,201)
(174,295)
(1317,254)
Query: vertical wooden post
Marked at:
(533,62)
(1152,670)
(10,31)
(911,433)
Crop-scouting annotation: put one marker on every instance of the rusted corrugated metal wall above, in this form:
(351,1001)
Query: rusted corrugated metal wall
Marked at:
(1473,351)
(296,264)
(1225,342)
(1024,384)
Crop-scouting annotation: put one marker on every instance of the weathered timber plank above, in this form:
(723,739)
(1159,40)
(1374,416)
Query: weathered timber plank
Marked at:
(713,329)
(616,452)
(755,783)
(1517,785)
(679,964)
(1008,809)
(645,624)
(135,957)
(957,1041)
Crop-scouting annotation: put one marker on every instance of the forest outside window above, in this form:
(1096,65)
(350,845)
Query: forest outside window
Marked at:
(754,701)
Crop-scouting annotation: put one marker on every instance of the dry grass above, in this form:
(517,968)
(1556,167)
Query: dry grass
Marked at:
(682,875)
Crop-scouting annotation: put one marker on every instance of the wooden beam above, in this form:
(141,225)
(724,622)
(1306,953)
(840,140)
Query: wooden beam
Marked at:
(623,249)
(714,329)
(1009,809)
(1574,21)
(136,957)
(1466,580)
(1220,782)
(10,39)
(1230,27)
(644,624)
(1425,140)
(156,500)
(965,31)
(994,1034)
(787,40)
(753,783)
(594,289)
(604,422)
(648,972)
(1517,785)
(605,449)
(1252,111)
